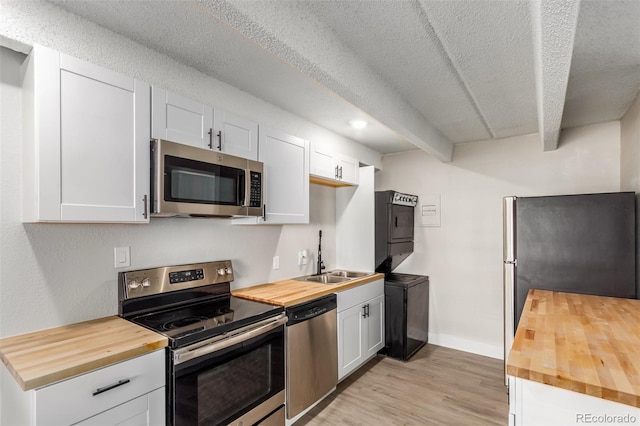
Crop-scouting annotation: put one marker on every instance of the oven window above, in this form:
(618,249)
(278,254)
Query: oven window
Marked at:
(218,388)
(190,181)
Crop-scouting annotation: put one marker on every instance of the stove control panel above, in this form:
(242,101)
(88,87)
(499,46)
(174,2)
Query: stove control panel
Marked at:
(405,199)
(146,282)
(186,276)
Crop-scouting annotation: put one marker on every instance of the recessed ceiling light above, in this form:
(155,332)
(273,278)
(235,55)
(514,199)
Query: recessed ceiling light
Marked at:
(358,124)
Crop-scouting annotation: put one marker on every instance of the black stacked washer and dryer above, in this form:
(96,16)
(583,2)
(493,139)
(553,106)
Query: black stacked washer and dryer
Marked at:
(406,295)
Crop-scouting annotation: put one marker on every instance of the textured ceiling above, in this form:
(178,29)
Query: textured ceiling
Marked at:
(425,74)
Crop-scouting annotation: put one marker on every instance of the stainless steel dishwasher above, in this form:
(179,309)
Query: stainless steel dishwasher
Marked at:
(311,340)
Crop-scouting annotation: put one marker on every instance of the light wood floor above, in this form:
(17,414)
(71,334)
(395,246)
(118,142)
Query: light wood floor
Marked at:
(438,386)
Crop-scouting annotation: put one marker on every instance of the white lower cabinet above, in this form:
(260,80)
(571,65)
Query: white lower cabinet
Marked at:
(360,325)
(131,393)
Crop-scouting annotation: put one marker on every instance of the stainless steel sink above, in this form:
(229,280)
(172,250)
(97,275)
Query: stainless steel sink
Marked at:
(326,279)
(334,277)
(348,274)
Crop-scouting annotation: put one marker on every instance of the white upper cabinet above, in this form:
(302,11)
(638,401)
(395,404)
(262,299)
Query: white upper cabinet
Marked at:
(285,180)
(235,135)
(179,119)
(182,120)
(86,142)
(348,169)
(331,168)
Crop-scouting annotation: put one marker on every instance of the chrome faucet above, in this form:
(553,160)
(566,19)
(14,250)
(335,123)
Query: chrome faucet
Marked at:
(320,266)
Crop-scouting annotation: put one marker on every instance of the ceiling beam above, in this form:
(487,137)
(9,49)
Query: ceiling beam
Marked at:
(300,40)
(554,28)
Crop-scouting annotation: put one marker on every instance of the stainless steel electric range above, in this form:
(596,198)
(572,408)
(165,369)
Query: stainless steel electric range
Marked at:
(225,360)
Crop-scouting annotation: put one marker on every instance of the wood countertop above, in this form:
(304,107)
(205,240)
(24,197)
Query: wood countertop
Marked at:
(292,292)
(47,356)
(586,344)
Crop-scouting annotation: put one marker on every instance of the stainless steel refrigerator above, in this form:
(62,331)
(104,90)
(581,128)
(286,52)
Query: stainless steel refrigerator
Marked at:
(574,243)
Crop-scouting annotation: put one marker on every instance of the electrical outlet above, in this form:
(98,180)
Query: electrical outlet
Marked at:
(303,257)
(276,262)
(121,257)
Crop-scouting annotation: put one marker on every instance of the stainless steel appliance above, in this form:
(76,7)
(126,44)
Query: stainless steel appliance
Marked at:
(226,359)
(575,243)
(190,181)
(406,296)
(312,353)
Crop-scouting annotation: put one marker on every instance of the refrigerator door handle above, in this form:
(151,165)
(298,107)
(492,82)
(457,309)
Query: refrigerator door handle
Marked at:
(509,278)
(509,319)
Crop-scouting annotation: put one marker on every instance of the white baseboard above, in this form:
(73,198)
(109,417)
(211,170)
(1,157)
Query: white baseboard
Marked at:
(466,345)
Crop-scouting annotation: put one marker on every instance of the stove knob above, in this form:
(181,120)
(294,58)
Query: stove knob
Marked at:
(133,284)
(221,271)
(229,271)
(146,282)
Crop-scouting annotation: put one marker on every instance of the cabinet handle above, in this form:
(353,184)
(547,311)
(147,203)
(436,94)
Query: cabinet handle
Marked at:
(368,315)
(395,221)
(336,175)
(145,212)
(264,212)
(220,140)
(364,311)
(210,138)
(113,386)
(340,177)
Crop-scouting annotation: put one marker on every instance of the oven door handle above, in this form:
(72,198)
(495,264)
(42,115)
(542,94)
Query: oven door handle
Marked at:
(186,354)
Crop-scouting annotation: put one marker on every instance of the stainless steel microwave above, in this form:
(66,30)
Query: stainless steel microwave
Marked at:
(190,181)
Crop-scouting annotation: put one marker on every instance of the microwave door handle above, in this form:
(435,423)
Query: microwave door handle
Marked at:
(244,191)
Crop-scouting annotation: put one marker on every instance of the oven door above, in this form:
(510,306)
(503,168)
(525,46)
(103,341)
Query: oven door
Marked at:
(237,377)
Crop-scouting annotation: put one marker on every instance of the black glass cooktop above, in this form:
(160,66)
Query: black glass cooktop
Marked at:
(199,321)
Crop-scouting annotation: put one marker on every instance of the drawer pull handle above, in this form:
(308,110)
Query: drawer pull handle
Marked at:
(113,386)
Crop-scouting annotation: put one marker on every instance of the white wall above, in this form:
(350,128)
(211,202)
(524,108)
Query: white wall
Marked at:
(57,274)
(630,148)
(463,257)
(630,165)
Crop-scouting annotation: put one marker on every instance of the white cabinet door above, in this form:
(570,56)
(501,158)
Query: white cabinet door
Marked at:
(235,135)
(182,120)
(146,410)
(323,163)
(360,325)
(351,335)
(333,169)
(348,169)
(86,142)
(285,180)
(286,176)
(375,326)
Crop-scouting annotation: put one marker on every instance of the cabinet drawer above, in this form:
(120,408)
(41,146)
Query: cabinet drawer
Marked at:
(360,294)
(73,400)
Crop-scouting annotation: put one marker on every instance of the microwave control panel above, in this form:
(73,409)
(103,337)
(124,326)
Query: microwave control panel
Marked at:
(255,194)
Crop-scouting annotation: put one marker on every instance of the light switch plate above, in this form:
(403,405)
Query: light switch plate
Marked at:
(276,262)
(121,257)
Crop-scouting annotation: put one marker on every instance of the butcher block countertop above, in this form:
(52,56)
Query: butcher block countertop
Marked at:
(291,292)
(586,344)
(43,357)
